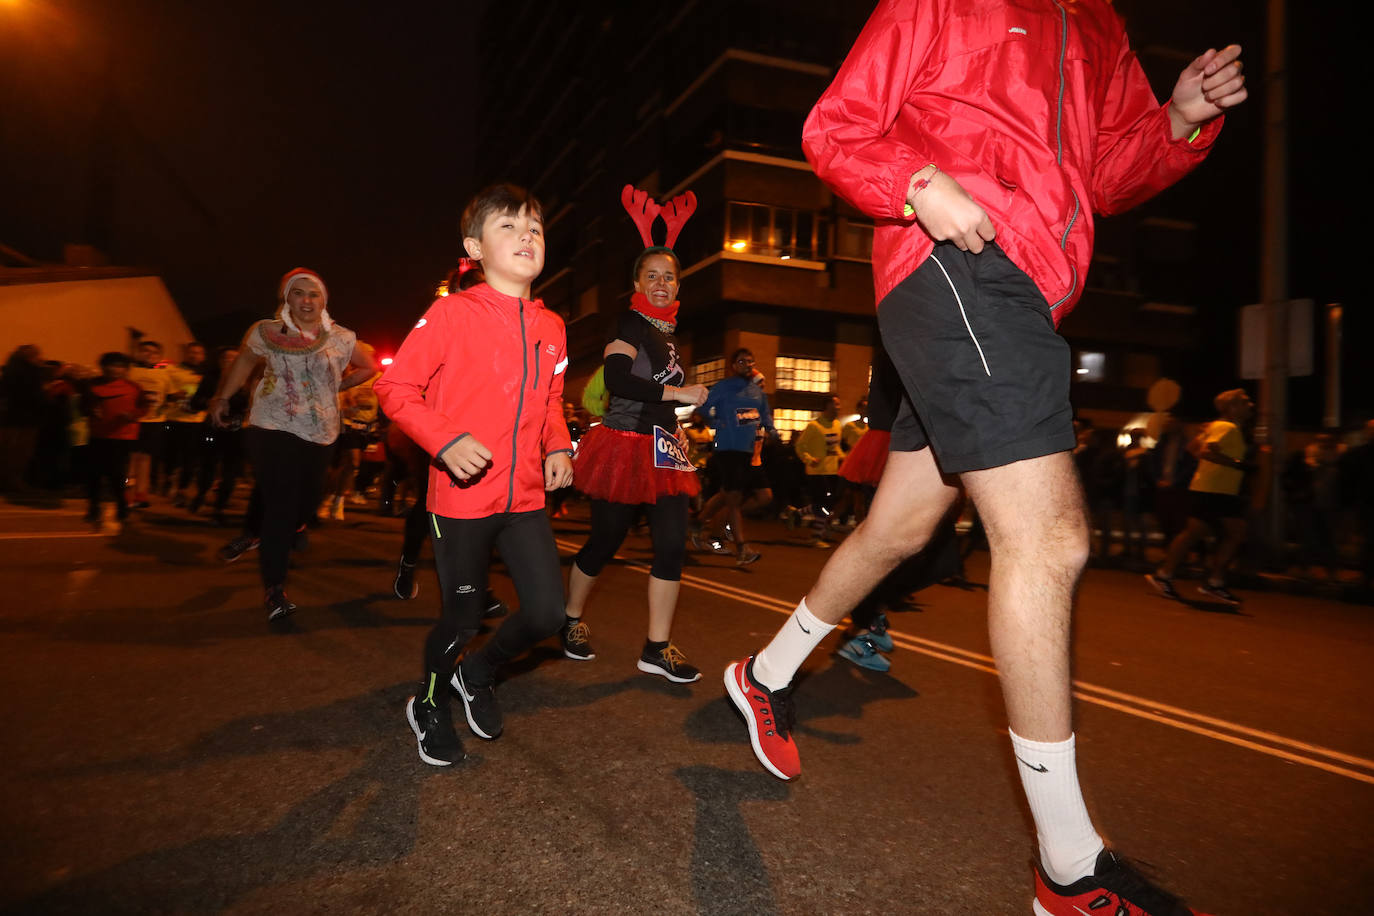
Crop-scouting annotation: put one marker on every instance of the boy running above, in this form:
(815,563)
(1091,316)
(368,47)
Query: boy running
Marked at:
(478,383)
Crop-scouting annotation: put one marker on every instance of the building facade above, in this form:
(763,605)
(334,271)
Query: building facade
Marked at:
(710,96)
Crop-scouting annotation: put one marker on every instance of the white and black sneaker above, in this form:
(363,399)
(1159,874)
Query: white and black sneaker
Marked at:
(237,548)
(576,639)
(480,707)
(405,587)
(434,733)
(667,662)
(278,605)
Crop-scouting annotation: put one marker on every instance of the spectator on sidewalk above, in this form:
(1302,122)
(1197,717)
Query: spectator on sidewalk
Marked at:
(21,413)
(114,405)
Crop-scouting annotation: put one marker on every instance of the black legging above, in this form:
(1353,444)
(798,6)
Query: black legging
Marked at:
(290,474)
(462,554)
(108,463)
(611,522)
(417,520)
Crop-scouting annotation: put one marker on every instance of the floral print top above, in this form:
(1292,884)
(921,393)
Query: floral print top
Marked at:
(299,391)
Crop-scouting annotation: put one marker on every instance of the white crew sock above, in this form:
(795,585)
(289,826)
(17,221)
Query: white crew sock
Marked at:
(780,659)
(1068,843)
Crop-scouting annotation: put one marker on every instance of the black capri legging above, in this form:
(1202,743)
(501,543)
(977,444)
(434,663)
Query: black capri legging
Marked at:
(462,554)
(611,522)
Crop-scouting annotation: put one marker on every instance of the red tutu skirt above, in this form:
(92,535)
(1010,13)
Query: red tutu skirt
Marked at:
(618,466)
(865,462)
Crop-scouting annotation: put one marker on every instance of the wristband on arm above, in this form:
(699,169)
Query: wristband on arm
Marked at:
(921,185)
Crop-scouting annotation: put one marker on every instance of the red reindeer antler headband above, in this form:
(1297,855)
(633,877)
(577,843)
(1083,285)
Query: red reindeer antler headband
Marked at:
(643,210)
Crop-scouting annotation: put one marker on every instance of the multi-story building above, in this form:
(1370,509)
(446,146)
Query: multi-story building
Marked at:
(710,96)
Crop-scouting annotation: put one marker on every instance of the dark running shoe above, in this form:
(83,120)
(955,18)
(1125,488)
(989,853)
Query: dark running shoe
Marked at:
(862,651)
(405,587)
(768,713)
(237,548)
(747,556)
(1164,586)
(278,605)
(495,607)
(1113,888)
(479,705)
(576,638)
(1219,593)
(878,635)
(668,662)
(434,733)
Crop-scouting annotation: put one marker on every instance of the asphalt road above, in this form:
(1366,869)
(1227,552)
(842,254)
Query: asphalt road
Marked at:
(166,750)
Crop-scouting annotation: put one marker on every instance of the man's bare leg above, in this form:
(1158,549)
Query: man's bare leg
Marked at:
(912,498)
(1038,538)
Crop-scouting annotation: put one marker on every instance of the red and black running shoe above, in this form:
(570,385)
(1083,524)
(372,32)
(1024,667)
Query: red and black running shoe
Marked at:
(1114,889)
(768,713)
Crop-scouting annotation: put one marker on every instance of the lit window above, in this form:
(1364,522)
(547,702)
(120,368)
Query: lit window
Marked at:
(776,232)
(709,372)
(1091,367)
(787,420)
(797,374)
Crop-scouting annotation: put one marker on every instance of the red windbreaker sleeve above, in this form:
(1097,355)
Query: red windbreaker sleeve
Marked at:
(401,389)
(845,136)
(1137,155)
(556,436)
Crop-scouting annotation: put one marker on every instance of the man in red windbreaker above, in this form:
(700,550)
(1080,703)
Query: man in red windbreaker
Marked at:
(981,139)
(478,384)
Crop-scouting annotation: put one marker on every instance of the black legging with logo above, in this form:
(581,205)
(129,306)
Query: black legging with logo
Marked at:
(462,555)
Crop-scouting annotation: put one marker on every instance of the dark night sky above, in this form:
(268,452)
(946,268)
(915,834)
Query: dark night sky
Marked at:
(223,144)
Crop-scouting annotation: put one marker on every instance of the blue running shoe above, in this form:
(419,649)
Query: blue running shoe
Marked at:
(861,651)
(878,633)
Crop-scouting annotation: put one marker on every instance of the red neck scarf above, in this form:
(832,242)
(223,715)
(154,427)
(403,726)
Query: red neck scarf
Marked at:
(640,303)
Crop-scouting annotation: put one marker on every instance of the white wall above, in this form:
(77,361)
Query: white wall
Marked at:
(78,320)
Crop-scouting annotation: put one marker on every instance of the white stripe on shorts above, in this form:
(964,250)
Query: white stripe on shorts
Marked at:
(959,299)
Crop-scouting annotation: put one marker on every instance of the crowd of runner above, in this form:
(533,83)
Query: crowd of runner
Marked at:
(968,409)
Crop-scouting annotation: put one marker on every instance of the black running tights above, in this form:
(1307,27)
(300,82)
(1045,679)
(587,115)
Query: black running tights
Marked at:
(462,554)
(611,522)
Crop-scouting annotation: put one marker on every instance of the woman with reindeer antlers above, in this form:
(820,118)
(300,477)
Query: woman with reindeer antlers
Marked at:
(636,458)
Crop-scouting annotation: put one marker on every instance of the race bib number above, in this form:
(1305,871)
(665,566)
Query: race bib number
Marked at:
(668,452)
(746,416)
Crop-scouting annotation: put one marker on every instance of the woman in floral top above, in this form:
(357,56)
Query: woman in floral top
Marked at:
(306,360)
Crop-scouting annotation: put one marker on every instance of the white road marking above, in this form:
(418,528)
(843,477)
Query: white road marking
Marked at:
(1140,707)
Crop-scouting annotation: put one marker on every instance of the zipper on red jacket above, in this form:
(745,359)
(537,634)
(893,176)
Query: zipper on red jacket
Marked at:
(519,407)
(534,382)
(1059,149)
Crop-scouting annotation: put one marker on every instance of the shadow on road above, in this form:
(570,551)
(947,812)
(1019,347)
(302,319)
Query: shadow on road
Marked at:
(727,872)
(368,817)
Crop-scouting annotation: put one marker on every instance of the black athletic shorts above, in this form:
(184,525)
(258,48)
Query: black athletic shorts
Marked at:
(1214,508)
(149,441)
(737,473)
(985,375)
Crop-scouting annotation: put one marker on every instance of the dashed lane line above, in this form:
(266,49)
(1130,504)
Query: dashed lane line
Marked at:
(1233,733)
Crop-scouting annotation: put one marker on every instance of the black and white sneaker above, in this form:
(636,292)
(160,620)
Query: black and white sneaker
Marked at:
(434,733)
(405,587)
(1164,586)
(668,662)
(576,638)
(237,548)
(278,605)
(480,707)
(1220,593)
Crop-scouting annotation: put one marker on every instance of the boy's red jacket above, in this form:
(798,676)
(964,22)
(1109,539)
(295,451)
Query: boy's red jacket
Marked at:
(1039,109)
(484,364)
(115,408)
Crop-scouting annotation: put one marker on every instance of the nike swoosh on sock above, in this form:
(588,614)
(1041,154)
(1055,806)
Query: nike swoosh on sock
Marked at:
(1038,767)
